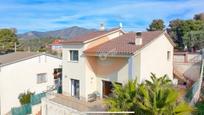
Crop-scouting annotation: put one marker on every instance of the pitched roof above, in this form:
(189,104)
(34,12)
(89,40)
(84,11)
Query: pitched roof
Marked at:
(18,56)
(89,36)
(124,44)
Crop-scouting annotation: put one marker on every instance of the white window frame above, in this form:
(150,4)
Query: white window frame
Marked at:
(41,78)
(71,55)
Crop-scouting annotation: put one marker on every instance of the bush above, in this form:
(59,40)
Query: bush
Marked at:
(24,98)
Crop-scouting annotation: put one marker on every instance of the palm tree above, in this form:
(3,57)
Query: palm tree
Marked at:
(123,98)
(155,97)
(159,97)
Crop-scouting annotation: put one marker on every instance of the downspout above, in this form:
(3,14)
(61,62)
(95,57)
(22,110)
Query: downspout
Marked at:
(130,68)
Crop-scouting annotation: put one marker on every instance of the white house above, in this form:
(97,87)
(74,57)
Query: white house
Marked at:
(22,71)
(92,61)
(56,45)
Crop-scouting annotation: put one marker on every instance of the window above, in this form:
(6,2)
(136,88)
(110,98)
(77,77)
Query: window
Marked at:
(41,78)
(168,55)
(75,88)
(74,55)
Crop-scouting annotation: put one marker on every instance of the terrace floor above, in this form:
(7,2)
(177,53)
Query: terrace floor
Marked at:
(80,105)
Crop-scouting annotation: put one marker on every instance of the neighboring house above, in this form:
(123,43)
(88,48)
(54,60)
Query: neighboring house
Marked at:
(92,61)
(22,71)
(56,45)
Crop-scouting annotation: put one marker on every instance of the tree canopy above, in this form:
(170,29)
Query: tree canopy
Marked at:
(199,16)
(37,44)
(188,33)
(7,40)
(157,24)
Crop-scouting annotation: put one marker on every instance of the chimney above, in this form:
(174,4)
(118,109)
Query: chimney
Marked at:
(138,38)
(102,28)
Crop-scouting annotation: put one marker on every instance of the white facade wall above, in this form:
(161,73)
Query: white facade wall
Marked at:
(91,79)
(120,76)
(19,77)
(154,59)
(137,67)
(80,70)
(73,70)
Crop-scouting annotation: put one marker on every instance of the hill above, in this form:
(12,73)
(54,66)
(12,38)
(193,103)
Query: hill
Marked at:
(62,33)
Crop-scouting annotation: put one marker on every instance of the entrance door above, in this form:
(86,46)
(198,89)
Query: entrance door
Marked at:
(75,88)
(107,88)
(58,79)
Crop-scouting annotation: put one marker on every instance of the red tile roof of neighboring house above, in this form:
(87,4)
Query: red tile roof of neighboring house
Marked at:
(57,42)
(124,44)
(89,36)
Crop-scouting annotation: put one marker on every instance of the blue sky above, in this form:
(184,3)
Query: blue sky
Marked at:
(135,15)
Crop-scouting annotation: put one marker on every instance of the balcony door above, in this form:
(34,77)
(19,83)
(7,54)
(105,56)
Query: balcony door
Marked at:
(75,88)
(108,88)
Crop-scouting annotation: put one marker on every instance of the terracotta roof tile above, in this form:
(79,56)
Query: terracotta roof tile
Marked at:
(124,44)
(88,36)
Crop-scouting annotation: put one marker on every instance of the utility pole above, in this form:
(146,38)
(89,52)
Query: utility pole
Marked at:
(15,47)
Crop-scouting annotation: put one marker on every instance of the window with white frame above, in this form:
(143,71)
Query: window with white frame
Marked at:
(74,55)
(41,78)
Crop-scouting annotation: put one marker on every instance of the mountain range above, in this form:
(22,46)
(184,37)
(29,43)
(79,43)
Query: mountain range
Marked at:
(65,33)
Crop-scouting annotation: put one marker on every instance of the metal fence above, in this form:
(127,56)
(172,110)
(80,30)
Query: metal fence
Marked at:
(22,110)
(36,99)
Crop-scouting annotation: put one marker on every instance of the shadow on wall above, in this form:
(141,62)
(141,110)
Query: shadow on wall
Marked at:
(106,66)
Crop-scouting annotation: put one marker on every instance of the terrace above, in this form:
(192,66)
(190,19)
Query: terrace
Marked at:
(61,104)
